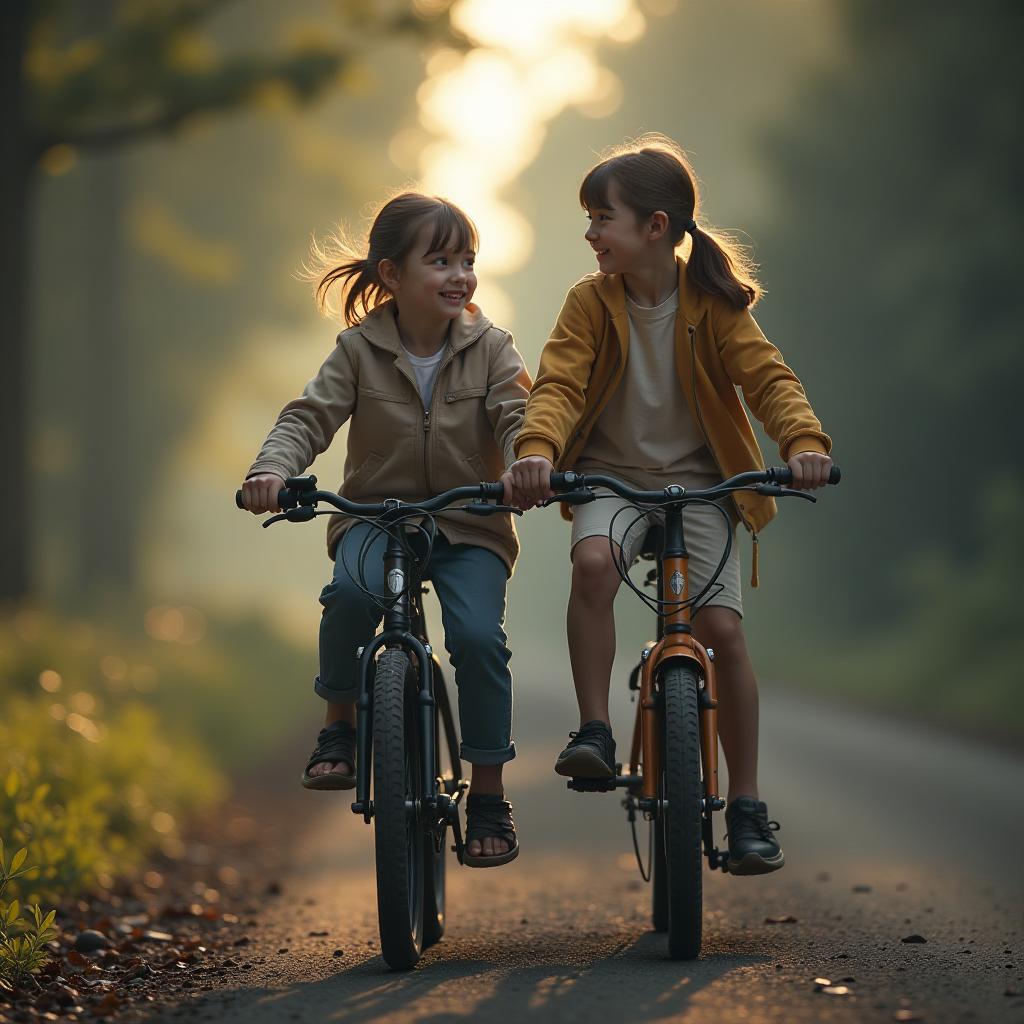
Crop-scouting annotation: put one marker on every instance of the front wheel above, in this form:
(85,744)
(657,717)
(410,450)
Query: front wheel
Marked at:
(682,789)
(396,792)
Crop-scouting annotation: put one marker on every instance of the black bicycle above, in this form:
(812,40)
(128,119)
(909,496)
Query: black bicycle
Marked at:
(407,745)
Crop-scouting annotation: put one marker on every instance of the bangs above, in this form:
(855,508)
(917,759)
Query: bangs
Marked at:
(594,190)
(453,230)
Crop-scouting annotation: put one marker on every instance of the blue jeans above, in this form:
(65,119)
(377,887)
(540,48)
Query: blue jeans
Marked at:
(470,583)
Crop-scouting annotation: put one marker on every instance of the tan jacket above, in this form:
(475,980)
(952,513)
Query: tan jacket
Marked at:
(584,359)
(398,449)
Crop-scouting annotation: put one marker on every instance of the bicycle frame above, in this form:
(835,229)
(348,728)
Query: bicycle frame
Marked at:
(398,632)
(675,640)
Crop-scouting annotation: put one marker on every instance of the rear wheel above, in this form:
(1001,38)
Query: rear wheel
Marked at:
(398,838)
(681,785)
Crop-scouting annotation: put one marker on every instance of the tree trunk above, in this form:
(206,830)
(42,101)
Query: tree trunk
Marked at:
(15,186)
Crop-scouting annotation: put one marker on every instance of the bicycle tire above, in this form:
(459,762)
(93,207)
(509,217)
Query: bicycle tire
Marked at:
(398,839)
(435,860)
(659,879)
(681,777)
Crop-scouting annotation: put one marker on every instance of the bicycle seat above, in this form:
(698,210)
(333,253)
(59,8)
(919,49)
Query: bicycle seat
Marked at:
(654,541)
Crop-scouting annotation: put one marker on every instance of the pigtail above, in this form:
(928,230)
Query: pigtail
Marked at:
(720,265)
(338,270)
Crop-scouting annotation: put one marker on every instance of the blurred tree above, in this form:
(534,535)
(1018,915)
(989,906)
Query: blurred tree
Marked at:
(93,79)
(899,220)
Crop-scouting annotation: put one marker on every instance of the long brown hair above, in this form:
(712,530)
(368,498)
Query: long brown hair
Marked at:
(338,263)
(652,173)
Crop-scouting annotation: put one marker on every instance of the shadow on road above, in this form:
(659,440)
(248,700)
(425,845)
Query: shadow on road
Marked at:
(546,977)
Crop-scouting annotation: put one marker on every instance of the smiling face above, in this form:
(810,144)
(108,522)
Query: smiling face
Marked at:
(619,240)
(432,285)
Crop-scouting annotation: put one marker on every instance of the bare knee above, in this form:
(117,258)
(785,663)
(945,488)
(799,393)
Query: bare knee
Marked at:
(722,630)
(594,575)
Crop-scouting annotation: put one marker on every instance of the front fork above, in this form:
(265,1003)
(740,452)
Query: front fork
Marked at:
(677,641)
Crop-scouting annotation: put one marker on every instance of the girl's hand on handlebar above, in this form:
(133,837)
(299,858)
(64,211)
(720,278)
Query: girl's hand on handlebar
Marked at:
(259,493)
(531,480)
(810,470)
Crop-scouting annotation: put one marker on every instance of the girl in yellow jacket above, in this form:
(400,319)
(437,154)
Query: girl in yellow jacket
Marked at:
(638,381)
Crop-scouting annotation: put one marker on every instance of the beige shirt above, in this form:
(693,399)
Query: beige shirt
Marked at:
(646,433)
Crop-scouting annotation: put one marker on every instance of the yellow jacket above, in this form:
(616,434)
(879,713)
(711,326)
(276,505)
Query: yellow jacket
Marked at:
(717,348)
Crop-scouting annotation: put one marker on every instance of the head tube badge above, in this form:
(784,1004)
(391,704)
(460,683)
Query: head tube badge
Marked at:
(396,581)
(676,582)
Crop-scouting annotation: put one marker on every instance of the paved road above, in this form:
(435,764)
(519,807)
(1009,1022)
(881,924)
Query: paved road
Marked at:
(889,831)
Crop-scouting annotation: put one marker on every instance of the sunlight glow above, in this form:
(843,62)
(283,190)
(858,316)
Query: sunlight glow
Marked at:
(487,110)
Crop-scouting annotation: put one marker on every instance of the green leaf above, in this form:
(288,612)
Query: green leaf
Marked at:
(48,921)
(19,859)
(11,783)
(12,912)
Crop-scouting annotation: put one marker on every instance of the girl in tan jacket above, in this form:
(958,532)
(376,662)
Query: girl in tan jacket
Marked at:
(434,395)
(638,381)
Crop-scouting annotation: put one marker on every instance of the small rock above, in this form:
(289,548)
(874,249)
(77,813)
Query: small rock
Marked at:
(862,888)
(338,952)
(283,949)
(1012,992)
(90,940)
(907,1015)
(913,938)
(242,940)
(837,990)
(318,935)
(786,919)
(822,982)
(273,889)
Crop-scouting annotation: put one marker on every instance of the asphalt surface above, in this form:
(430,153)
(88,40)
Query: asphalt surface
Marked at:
(889,831)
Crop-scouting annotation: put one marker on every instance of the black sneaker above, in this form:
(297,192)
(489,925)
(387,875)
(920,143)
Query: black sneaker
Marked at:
(753,849)
(590,754)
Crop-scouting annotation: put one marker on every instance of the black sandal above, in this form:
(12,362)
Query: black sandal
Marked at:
(488,816)
(336,742)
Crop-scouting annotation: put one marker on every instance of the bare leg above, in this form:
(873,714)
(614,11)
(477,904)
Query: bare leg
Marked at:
(337,713)
(487,779)
(590,623)
(722,629)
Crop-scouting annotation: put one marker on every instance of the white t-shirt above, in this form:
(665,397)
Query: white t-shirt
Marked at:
(425,368)
(646,434)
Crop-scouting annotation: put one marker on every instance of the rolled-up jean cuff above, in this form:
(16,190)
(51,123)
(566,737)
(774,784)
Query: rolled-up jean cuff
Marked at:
(335,696)
(474,756)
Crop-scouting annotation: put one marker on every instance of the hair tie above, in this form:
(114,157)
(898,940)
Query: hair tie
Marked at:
(691,226)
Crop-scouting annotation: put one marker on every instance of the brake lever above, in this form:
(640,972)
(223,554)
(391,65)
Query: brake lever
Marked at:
(483,508)
(300,514)
(778,491)
(581,497)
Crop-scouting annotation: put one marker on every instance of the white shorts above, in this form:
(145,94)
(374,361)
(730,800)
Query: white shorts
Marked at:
(704,529)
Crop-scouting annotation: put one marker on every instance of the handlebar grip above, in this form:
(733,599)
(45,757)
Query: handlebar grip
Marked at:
(286,498)
(784,475)
(493,490)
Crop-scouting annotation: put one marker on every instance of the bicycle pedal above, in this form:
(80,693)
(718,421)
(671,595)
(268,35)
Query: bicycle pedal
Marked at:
(594,785)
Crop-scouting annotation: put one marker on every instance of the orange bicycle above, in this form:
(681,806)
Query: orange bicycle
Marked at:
(672,777)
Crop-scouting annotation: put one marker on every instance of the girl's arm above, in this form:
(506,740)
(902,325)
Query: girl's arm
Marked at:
(770,388)
(508,387)
(306,426)
(558,395)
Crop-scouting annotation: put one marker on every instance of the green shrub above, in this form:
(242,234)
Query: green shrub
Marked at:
(22,940)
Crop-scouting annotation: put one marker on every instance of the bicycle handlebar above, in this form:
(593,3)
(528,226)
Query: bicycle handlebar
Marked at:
(771,481)
(301,491)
